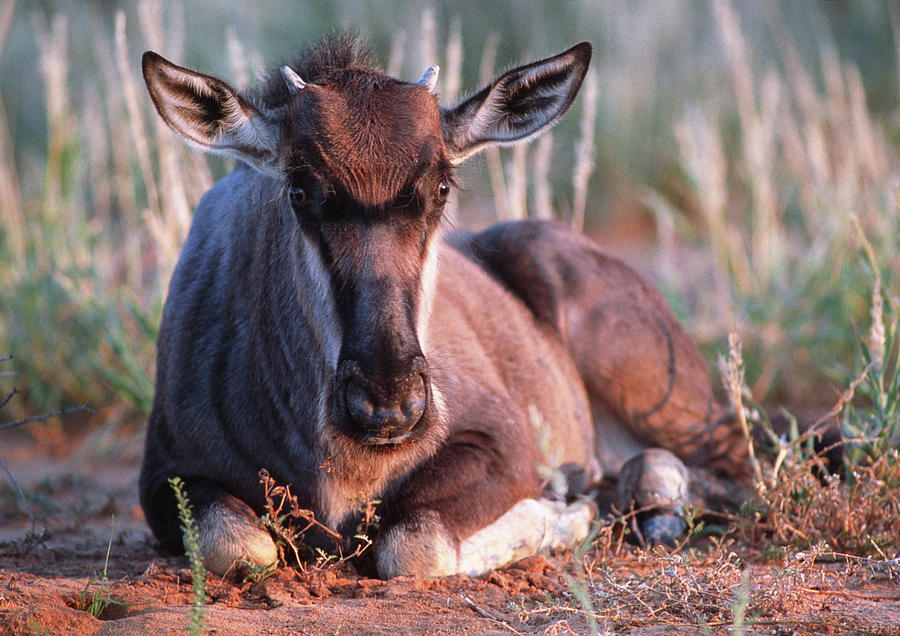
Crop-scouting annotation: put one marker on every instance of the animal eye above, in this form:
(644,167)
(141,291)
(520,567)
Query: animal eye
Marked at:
(298,197)
(443,191)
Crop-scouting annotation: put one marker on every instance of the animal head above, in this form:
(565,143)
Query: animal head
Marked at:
(366,162)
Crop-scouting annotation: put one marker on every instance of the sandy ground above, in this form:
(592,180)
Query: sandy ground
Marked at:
(77,492)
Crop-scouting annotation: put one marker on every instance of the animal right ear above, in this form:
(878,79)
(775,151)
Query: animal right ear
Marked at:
(517,105)
(207,113)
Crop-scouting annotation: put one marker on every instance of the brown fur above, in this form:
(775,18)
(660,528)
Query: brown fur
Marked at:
(320,326)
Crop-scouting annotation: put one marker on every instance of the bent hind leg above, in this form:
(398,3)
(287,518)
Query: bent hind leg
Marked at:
(637,362)
(648,383)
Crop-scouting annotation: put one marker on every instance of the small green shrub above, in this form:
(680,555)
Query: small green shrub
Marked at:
(871,422)
(93,600)
(192,550)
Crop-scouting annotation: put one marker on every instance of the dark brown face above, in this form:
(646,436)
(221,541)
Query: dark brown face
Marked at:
(367,175)
(366,165)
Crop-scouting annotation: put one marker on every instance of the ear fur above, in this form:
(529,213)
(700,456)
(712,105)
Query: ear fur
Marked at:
(207,113)
(517,105)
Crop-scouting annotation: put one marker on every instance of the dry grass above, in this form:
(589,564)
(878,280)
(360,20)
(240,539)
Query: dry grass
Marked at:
(857,517)
(756,575)
(777,173)
(288,523)
(713,591)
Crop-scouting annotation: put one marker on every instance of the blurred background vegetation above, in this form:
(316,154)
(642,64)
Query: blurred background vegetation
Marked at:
(722,148)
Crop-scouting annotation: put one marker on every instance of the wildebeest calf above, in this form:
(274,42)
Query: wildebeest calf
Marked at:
(320,325)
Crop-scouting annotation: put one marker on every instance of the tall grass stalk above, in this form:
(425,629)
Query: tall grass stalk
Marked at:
(732,371)
(11,210)
(584,151)
(192,550)
(493,158)
(777,171)
(871,425)
(542,206)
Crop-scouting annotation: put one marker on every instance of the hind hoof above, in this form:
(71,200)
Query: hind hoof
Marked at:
(655,482)
(663,529)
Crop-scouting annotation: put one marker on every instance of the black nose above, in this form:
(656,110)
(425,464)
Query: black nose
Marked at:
(386,415)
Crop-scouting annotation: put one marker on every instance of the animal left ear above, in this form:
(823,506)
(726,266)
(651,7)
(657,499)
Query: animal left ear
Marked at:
(208,113)
(517,105)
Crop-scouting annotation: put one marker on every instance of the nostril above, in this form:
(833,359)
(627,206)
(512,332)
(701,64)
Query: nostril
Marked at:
(389,415)
(359,404)
(414,403)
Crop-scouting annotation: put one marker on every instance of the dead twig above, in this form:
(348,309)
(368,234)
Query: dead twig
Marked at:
(27,420)
(20,492)
(486,614)
(8,395)
(283,508)
(83,408)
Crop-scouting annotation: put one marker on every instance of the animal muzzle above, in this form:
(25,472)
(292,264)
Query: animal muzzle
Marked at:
(384,409)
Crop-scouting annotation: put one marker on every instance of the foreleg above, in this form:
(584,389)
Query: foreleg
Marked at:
(469,511)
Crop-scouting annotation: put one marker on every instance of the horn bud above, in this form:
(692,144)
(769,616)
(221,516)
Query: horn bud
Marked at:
(429,78)
(292,80)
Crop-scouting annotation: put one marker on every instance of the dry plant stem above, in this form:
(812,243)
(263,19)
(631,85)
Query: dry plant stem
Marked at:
(277,520)
(451,80)
(21,494)
(395,59)
(542,205)
(237,59)
(174,206)
(84,408)
(757,125)
(819,425)
(11,210)
(517,182)
(492,155)
(6,15)
(876,331)
(584,153)
(34,418)
(486,614)
(3,464)
(10,394)
(451,74)
(733,376)
(135,116)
